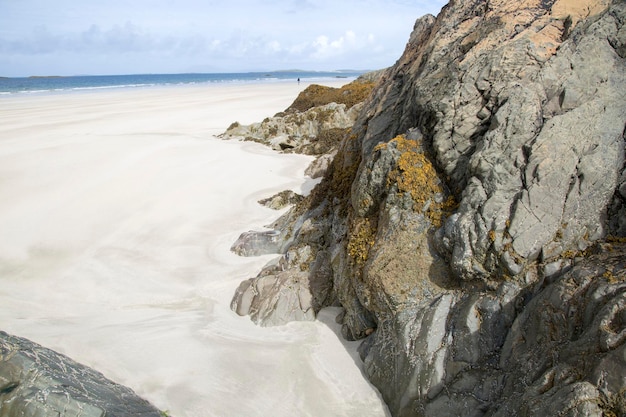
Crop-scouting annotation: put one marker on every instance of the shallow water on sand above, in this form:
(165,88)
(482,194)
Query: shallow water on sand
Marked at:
(117,211)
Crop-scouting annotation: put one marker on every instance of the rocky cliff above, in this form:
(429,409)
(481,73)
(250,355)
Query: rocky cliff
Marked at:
(472,222)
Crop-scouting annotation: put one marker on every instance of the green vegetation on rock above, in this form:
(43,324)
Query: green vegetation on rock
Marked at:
(416,175)
(319,95)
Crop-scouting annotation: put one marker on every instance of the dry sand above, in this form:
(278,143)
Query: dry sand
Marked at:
(117,211)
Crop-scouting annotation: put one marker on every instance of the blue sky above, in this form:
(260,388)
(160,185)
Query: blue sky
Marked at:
(70,37)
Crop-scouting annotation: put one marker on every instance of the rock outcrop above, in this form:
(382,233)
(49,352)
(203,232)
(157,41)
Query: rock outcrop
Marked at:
(315,122)
(281,200)
(35,381)
(472,223)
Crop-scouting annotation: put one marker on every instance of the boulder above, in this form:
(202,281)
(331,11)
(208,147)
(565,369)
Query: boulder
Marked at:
(275,299)
(255,243)
(35,381)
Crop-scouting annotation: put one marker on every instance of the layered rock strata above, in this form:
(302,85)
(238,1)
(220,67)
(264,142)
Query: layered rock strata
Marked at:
(472,223)
(35,381)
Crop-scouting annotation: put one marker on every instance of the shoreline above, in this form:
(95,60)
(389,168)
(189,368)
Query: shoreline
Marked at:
(119,209)
(139,83)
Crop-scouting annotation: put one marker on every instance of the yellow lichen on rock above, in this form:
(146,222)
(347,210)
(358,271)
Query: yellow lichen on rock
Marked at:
(380,147)
(416,175)
(361,240)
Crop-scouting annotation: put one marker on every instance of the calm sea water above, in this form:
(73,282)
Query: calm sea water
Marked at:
(89,82)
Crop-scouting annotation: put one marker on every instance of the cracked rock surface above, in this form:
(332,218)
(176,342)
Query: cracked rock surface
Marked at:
(473,224)
(35,381)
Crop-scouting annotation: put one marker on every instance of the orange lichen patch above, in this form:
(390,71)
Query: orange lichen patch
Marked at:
(439,211)
(547,40)
(520,19)
(416,175)
(414,172)
(508,7)
(380,147)
(577,10)
(361,240)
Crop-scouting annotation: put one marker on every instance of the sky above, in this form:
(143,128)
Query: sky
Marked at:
(97,37)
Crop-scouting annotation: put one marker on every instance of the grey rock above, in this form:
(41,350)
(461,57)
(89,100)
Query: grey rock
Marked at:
(511,302)
(38,382)
(276,299)
(294,287)
(542,172)
(281,200)
(319,167)
(297,132)
(558,349)
(255,243)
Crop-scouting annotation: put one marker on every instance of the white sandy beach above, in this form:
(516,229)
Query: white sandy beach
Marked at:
(117,212)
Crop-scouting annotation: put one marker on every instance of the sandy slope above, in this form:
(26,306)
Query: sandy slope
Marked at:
(117,211)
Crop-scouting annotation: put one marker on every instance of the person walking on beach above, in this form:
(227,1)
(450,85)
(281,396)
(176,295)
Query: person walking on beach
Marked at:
(298,80)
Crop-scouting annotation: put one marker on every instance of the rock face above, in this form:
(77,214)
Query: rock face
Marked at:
(35,381)
(472,224)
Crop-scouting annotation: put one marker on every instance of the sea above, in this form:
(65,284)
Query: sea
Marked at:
(38,85)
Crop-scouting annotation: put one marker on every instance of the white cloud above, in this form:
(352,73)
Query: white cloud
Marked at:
(229,36)
(274,47)
(323,47)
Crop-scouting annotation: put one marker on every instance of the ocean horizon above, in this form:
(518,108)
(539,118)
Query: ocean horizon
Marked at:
(48,84)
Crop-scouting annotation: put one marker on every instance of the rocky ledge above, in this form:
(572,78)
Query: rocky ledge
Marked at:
(314,124)
(35,381)
(472,223)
